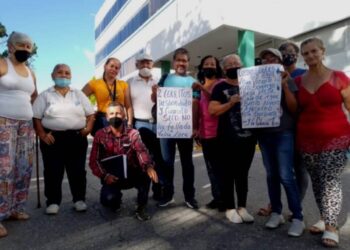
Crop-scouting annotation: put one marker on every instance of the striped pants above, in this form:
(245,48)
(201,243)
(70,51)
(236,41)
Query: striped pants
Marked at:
(16,162)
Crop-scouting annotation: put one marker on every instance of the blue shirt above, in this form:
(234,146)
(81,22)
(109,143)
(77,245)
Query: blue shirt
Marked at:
(178,81)
(297,72)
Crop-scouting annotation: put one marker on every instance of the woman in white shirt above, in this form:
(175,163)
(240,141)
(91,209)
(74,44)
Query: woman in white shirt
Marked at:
(17,91)
(63,117)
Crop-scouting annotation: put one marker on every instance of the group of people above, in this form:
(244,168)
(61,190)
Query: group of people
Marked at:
(313,135)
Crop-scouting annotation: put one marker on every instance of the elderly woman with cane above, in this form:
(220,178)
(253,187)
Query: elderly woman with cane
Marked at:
(17,91)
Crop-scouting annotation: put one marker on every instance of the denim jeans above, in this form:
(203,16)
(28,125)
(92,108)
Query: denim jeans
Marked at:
(277,150)
(185,147)
(150,126)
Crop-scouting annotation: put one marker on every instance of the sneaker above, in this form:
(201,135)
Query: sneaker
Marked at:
(192,204)
(275,220)
(141,213)
(297,227)
(233,216)
(165,202)
(52,209)
(246,217)
(80,206)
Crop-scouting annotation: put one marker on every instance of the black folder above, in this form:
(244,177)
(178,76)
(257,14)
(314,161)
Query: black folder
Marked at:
(116,165)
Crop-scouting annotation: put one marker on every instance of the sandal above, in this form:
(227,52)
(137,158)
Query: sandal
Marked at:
(265,211)
(330,239)
(3,231)
(19,216)
(318,228)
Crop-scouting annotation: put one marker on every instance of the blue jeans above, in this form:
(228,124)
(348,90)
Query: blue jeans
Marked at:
(150,126)
(277,150)
(185,147)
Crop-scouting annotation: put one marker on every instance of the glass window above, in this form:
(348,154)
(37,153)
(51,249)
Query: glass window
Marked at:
(137,21)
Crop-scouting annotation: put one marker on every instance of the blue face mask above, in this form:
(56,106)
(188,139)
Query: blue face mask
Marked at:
(62,82)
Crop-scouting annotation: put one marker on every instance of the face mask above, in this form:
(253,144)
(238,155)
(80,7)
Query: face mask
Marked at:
(62,82)
(232,73)
(289,60)
(209,72)
(22,55)
(115,122)
(145,72)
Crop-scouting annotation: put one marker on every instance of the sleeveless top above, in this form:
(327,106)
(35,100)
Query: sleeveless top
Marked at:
(15,94)
(323,121)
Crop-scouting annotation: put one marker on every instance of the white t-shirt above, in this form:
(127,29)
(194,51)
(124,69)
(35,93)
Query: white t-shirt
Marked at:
(61,113)
(15,94)
(140,92)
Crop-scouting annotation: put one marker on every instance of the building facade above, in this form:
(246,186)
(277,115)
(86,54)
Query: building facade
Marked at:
(125,28)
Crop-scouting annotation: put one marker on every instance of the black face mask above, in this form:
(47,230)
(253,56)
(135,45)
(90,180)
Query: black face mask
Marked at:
(289,60)
(22,55)
(232,73)
(115,122)
(209,72)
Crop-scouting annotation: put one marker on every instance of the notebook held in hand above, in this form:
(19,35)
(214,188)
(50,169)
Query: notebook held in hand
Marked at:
(116,165)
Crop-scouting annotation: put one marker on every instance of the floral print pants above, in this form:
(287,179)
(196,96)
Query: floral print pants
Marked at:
(16,163)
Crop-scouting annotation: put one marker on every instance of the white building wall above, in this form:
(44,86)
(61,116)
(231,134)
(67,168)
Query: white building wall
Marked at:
(182,21)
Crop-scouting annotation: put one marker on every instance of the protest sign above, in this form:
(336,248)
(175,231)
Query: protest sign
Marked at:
(174,112)
(260,91)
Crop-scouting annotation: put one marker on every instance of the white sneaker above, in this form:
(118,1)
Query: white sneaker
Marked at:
(246,217)
(274,221)
(233,216)
(52,209)
(80,206)
(296,228)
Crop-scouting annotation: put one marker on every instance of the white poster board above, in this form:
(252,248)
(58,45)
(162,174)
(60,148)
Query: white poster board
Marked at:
(260,91)
(174,112)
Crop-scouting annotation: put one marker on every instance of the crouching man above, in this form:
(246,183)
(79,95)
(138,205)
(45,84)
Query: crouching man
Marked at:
(118,139)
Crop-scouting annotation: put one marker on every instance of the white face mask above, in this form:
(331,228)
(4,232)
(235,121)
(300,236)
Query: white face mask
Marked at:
(145,72)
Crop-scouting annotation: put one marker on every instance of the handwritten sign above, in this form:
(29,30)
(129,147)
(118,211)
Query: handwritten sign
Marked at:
(260,91)
(174,113)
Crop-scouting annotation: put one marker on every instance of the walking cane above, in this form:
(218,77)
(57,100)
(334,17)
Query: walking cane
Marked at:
(37,170)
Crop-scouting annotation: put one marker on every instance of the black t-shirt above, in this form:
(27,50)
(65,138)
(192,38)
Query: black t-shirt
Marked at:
(230,122)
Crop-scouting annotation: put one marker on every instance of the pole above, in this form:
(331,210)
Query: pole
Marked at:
(37,170)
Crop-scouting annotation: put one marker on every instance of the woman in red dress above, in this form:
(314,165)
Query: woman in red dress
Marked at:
(323,134)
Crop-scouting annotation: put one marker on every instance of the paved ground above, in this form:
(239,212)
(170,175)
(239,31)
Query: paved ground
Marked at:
(176,227)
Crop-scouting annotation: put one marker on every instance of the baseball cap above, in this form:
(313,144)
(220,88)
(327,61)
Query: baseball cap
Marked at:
(273,51)
(144,56)
(18,37)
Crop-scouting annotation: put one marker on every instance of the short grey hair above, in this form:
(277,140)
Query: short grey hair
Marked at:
(59,65)
(18,37)
(235,56)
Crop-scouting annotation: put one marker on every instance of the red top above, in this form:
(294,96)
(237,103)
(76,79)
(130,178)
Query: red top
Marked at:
(208,123)
(323,121)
